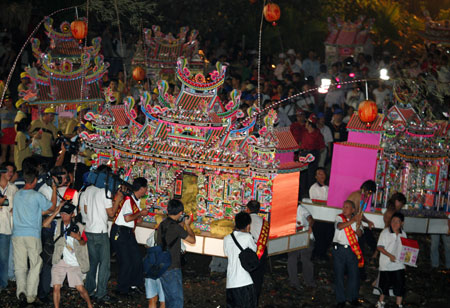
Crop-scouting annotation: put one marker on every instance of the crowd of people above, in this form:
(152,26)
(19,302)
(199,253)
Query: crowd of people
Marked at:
(44,238)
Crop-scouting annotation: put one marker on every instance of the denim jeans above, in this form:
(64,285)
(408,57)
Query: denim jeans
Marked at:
(345,261)
(5,242)
(435,239)
(99,256)
(172,285)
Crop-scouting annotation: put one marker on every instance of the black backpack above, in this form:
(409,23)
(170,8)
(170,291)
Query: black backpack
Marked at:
(249,259)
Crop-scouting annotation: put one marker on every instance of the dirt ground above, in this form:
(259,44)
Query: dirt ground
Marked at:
(426,287)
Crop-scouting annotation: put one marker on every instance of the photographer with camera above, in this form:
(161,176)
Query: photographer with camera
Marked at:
(172,230)
(59,177)
(7,192)
(98,206)
(29,206)
(123,240)
(70,256)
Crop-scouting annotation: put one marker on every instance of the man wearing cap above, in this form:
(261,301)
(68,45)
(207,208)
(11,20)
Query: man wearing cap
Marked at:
(298,127)
(293,64)
(311,142)
(22,112)
(8,133)
(72,124)
(44,130)
(70,257)
(24,82)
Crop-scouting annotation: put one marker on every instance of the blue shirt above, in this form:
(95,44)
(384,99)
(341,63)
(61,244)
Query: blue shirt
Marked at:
(27,214)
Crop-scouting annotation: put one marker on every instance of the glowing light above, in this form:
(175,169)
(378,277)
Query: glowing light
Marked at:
(325,84)
(351,75)
(384,74)
(273,66)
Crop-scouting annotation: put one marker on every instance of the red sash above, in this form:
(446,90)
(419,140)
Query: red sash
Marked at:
(69,193)
(353,240)
(261,244)
(134,208)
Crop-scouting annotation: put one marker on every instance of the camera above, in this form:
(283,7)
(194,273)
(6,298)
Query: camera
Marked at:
(60,177)
(73,228)
(72,147)
(6,202)
(183,217)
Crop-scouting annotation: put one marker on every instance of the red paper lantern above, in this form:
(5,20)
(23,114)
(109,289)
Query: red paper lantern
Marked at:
(138,73)
(367,111)
(79,29)
(272,12)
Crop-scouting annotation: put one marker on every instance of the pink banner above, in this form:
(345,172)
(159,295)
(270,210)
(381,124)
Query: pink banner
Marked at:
(285,157)
(364,138)
(351,166)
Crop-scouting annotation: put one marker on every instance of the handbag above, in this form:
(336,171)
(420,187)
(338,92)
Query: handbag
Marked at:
(249,259)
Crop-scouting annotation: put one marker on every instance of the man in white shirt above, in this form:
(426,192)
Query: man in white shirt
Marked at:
(7,191)
(319,190)
(98,206)
(347,254)
(123,240)
(240,291)
(305,221)
(259,229)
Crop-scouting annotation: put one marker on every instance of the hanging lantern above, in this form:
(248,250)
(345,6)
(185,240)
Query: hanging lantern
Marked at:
(79,29)
(367,111)
(272,12)
(138,74)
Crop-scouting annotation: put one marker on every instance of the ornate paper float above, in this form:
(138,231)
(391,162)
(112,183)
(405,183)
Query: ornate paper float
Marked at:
(213,155)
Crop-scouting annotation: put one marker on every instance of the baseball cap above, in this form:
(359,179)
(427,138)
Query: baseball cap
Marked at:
(338,111)
(67,208)
(19,103)
(50,110)
(24,75)
(312,118)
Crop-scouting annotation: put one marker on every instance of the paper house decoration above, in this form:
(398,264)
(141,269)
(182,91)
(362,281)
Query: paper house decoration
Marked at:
(409,252)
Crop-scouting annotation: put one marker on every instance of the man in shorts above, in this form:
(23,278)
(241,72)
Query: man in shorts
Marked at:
(70,257)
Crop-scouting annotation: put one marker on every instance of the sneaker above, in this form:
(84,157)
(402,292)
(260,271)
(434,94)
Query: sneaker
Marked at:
(137,289)
(400,306)
(376,291)
(380,304)
(106,300)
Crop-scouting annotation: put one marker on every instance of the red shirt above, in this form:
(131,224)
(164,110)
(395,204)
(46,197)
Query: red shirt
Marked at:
(312,141)
(296,130)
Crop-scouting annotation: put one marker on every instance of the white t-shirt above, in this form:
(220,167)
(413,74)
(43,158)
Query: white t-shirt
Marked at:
(6,211)
(318,192)
(96,202)
(125,211)
(255,227)
(68,252)
(302,219)
(392,243)
(47,192)
(237,276)
(339,235)
(380,96)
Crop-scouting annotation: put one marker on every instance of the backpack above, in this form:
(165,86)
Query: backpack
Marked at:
(249,259)
(158,258)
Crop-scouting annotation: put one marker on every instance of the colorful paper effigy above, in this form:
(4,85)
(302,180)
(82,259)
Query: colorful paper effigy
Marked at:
(194,147)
